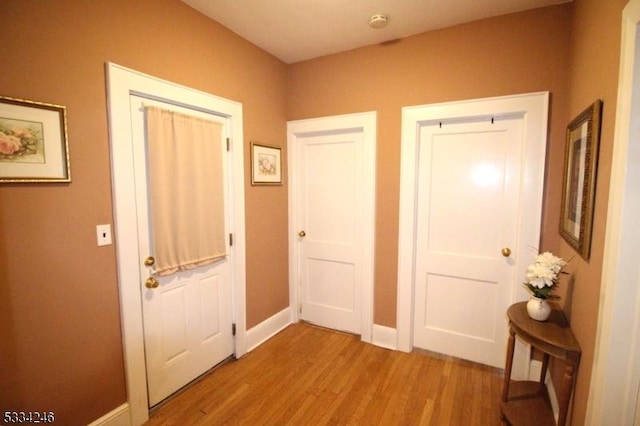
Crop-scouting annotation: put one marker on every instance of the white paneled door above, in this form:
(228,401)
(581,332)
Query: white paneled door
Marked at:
(188,315)
(333,164)
(468,192)
(329,235)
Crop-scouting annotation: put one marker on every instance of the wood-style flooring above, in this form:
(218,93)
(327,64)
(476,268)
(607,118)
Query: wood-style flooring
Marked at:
(307,375)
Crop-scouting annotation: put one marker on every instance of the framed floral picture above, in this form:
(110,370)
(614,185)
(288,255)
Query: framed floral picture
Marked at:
(33,142)
(581,163)
(266,165)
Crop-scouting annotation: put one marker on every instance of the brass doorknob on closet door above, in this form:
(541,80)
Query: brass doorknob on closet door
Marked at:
(506,252)
(149,261)
(302,234)
(151,283)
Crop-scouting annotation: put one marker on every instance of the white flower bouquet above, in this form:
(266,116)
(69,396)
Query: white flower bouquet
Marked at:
(542,275)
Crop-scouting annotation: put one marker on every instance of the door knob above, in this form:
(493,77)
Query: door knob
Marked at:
(302,233)
(506,252)
(151,283)
(149,261)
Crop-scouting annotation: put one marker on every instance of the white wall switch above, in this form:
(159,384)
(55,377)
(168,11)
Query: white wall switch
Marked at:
(104,235)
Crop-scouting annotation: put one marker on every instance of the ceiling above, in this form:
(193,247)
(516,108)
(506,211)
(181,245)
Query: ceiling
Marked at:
(297,30)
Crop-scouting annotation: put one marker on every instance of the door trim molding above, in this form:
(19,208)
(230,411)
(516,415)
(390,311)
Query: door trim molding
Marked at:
(533,108)
(367,123)
(121,83)
(615,379)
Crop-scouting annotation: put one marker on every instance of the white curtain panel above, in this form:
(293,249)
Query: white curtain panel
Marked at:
(186,185)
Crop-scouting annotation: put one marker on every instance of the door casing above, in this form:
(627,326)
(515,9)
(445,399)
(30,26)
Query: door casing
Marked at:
(122,83)
(366,123)
(534,110)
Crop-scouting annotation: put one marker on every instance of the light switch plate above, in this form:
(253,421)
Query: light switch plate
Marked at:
(104,235)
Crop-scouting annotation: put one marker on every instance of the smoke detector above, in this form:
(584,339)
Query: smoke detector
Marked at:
(378,21)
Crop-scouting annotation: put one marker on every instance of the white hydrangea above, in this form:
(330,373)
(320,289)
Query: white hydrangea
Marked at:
(544,271)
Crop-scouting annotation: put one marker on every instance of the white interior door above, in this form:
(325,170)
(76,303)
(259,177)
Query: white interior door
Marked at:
(333,182)
(188,316)
(331,246)
(468,201)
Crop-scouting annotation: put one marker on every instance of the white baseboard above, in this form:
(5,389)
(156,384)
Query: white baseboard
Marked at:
(385,337)
(121,416)
(268,328)
(535,369)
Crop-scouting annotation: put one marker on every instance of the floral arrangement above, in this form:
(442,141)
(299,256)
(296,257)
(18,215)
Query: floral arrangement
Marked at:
(542,275)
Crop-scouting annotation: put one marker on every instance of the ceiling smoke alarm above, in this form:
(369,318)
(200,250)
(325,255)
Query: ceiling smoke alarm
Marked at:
(378,21)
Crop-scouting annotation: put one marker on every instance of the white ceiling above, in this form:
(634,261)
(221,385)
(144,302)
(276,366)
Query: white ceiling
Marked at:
(296,30)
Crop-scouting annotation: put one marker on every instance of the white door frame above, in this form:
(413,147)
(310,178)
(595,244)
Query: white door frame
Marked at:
(123,82)
(366,122)
(533,108)
(615,379)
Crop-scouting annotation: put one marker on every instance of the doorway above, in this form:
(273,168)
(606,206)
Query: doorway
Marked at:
(447,149)
(614,395)
(124,83)
(331,211)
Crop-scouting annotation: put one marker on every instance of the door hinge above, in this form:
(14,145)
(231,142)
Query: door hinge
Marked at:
(228,144)
(233,329)
(230,239)
(299,308)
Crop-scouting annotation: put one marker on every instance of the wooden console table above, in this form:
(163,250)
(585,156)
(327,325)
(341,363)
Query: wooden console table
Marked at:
(527,402)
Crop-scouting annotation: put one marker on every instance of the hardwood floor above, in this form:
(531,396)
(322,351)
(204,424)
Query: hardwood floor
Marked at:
(307,375)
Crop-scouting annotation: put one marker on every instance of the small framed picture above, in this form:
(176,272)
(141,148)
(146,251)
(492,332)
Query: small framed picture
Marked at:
(581,165)
(33,142)
(266,165)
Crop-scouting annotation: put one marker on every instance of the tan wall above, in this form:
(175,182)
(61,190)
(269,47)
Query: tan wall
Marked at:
(60,337)
(59,317)
(595,56)
(570,50)
(519,53)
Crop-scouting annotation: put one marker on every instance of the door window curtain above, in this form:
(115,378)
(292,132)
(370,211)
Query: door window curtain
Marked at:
(186,190)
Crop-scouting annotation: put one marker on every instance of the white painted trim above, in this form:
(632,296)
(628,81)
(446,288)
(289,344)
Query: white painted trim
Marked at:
(534,107)
(123,82)
(385,337)
(615,378)
(268,328)
(121,416)
(367,121)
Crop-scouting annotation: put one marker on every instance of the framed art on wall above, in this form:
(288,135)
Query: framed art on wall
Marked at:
(266,165)
(581,163)
(33,142)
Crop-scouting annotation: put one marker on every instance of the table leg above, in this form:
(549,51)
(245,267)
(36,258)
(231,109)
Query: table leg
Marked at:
(545,366)
(507,371)
(565,393)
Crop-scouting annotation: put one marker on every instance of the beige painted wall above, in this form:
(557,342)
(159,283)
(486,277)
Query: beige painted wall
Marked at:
(595,55)
(59,315)
(571,50)
(520,53)
(60,337)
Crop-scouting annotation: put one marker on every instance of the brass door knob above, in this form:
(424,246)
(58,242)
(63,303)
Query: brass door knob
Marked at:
(302,234)
(149,261)
(151,282)
(506,252)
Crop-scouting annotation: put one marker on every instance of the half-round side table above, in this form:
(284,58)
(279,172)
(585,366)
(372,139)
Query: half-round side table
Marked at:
(527,402)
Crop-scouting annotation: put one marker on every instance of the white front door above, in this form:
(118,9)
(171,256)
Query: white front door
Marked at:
(468,193)
(332,169)
(187,317)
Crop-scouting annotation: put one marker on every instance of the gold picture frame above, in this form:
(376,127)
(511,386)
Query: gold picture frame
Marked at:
(266,165)
(33,142)
(579,183)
